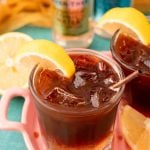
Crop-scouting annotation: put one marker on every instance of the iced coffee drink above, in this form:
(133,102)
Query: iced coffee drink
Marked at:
(132,55)
(77,113)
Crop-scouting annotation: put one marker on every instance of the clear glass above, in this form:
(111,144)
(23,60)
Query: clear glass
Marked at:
(72,23)
(83,40)
(137,90)
(78,128)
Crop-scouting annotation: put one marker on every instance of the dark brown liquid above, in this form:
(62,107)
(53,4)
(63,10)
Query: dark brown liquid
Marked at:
(136,55)
(133,53)
(88,89)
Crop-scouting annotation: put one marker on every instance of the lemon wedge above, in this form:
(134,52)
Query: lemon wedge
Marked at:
(128,19)
(136,128)
(47,51)
(18,63)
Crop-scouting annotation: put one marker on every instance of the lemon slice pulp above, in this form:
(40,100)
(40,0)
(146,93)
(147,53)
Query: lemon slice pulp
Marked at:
(10,43)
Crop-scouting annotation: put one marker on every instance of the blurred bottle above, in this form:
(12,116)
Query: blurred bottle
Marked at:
(72,23)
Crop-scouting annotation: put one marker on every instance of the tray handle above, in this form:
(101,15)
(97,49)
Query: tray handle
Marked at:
(5,124)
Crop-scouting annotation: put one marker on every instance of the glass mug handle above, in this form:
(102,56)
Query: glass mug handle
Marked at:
(22,126)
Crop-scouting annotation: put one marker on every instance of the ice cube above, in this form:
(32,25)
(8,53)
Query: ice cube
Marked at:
(109,80)
(79,81)
(102,66)
(100,96)
(147,63)
(81,78)
(62,97)
(95,100)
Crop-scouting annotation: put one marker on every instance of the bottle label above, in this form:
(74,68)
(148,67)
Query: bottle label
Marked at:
(71,17)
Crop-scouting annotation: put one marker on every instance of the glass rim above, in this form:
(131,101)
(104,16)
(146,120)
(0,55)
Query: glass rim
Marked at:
(83,111)
(116,56)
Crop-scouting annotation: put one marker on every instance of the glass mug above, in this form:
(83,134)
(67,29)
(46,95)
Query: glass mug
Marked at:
(137,90)
(62,128)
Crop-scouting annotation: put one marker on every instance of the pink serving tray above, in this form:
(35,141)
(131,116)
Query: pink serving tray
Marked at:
(29,125)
